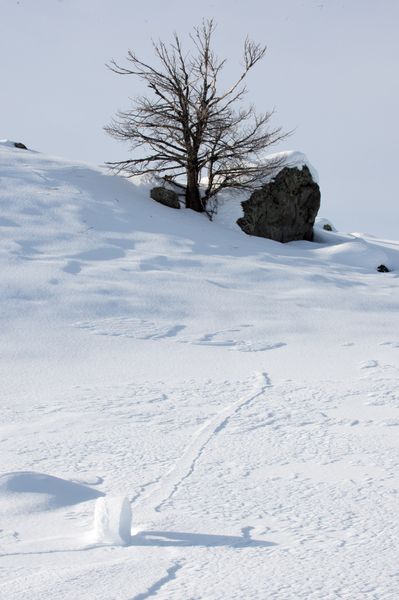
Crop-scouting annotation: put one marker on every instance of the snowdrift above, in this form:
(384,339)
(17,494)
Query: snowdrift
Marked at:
(236,395)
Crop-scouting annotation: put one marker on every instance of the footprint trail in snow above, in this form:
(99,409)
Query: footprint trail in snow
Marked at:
(155,498)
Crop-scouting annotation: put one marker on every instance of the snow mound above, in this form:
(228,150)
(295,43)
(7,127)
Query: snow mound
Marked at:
(355,253)
(7,143)
(27,491)
(62,220)
(12,144)
(324,224)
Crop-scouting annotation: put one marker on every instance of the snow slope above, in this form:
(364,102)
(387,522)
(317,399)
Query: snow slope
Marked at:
(241,393)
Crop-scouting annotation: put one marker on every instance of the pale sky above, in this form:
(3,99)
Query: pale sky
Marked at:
(330,72)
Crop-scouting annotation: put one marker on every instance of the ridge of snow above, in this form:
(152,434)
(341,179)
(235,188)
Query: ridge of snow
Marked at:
(7,143)
(293,158)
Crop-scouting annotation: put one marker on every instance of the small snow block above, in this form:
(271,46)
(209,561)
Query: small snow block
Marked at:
(112,520)
(382,269)
(20,145)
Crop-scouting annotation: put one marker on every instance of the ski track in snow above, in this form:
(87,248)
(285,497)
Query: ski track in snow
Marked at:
(154,500)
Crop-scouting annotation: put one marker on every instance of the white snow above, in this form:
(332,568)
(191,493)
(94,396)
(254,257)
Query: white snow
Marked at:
(241,393)
(293,158)
(112,521)
(7,143)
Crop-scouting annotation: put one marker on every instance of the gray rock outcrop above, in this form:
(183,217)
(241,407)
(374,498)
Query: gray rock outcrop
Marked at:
(284,209)
(165,197)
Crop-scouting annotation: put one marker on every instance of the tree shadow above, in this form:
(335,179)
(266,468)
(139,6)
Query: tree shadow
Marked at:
(185,539)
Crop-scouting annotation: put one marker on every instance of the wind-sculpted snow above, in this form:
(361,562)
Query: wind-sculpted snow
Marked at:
(27,491)
(147,330)
(241,394)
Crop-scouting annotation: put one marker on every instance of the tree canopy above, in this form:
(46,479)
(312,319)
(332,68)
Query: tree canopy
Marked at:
(190,131)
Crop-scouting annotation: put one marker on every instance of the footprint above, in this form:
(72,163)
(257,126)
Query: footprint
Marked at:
(218,338)
(73,266)
(148,330)
(131,328)
(258,346)
(369,364)
(221,338)
(7,535)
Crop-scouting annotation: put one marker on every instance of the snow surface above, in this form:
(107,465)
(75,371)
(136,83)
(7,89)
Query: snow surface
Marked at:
(7,143)
(241,393)
(293,158)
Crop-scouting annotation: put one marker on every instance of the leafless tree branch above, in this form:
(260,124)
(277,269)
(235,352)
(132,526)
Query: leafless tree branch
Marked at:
(189,126)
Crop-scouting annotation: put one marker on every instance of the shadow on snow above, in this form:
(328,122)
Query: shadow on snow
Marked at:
(181,539)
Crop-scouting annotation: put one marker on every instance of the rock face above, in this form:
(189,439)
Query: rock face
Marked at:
(165,197)
(284,209)
(20,145)
(382,269)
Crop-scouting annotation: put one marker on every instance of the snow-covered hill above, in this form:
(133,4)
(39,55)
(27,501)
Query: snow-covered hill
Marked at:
(240,392)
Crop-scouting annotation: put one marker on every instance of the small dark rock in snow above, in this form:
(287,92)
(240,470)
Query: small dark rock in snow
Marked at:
(165,197)
(382,269)
(284,209)
(20,145)
(327,227)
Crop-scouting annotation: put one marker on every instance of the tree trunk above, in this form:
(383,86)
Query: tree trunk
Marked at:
(193,196)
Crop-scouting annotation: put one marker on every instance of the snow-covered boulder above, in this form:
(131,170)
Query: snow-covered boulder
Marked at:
(12,144)
(324,225)
(285,208)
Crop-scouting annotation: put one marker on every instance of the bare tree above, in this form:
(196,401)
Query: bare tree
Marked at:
(188,130)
